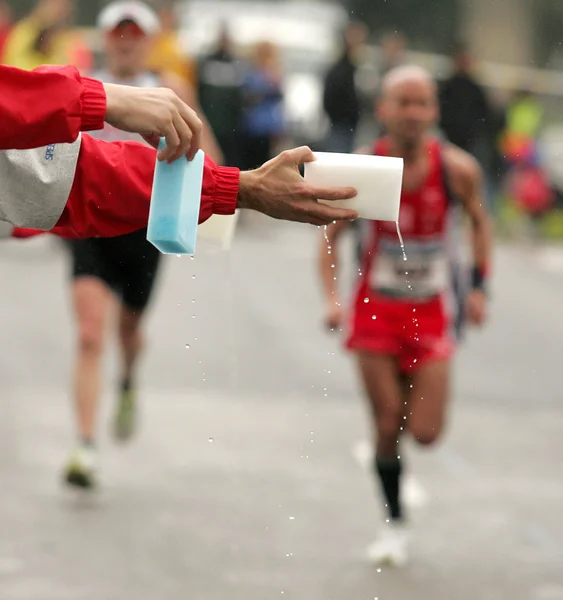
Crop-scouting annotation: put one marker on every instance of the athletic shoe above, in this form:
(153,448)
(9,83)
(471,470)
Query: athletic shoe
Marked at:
(81,469)
(391,546)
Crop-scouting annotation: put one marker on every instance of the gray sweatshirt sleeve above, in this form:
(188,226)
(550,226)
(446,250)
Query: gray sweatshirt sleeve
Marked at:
(35,184)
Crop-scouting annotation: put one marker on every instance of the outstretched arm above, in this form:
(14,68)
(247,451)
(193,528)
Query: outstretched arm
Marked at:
(467,185)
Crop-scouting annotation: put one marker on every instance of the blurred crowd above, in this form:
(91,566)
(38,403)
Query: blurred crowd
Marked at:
(241,93)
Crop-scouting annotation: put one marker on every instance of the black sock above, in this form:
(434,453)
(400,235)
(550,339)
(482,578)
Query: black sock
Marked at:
(389,471)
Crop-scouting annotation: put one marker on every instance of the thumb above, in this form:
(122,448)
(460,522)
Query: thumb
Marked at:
(301,155)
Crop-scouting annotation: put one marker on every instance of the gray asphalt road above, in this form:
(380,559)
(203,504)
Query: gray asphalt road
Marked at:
(246,482)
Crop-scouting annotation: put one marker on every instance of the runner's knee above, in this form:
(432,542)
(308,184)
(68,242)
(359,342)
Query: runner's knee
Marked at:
(90,338)
(425,435)
(130,328)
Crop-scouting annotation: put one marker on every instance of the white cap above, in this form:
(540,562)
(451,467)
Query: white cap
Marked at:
(129,10)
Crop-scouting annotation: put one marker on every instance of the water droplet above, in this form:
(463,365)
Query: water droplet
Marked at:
(187,346)
(192,256)
(193,301)
(210,440)
(193,316)
(373,317)
(366,300)
(178,256)
(379,570)
(193,276)
(292,518)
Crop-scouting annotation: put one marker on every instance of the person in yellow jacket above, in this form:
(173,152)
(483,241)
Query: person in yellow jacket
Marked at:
(43,38)
(166,53)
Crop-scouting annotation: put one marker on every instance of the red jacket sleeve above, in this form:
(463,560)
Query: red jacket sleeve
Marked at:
(112,187)
(49,105)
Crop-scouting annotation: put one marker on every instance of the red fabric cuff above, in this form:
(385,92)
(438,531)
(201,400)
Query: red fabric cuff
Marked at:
(94,105)
(226,190)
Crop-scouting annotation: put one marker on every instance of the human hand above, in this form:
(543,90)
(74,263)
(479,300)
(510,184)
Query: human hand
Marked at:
(278,190)
(155,113)
(476,307)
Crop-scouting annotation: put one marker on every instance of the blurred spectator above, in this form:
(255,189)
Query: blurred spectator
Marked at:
(392,52)
(527,182)
(524,118)
(220,78)
(262,119)
(166,53)
(340,96)
(5,25)
(39,38)
(464,107)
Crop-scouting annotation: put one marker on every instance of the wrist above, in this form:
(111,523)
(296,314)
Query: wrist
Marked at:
(248,190)
(114,102)
(479,277)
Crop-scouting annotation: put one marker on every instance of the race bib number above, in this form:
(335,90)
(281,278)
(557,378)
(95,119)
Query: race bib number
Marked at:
(424,274)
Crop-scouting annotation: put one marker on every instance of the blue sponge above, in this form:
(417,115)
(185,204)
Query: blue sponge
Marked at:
(175,201)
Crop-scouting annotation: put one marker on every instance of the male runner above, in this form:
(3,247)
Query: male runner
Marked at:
(126,265)
(400,326)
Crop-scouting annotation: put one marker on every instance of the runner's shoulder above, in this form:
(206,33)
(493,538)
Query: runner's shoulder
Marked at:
(461,165)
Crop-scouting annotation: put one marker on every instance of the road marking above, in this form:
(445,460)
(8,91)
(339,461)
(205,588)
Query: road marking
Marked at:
(414,493)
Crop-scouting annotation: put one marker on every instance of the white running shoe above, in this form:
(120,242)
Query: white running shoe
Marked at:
(82,467)
(391,546)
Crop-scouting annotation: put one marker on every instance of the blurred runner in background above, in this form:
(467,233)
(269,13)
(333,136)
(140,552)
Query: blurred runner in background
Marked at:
(125,265)
(401,326)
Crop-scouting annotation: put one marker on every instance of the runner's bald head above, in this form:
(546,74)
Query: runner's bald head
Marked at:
(406,74)
(408,106)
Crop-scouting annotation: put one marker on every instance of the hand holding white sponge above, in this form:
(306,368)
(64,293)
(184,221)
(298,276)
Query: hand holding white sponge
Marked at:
(377,179)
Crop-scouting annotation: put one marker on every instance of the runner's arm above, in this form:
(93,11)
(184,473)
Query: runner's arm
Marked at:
(329,259)
(467,185)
